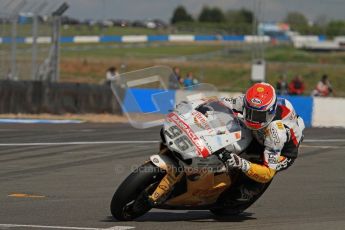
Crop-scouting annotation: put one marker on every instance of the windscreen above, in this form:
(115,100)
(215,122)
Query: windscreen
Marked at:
(224,115)
(147,95)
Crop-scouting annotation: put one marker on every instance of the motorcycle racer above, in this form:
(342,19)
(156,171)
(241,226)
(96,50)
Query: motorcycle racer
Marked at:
(275,126)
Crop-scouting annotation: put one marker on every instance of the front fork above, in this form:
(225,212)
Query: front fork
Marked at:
(174,173)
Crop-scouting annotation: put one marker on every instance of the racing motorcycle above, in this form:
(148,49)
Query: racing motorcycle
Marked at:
(187,173)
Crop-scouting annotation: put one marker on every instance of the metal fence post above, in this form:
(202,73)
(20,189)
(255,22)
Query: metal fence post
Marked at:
(13,74)
(34,47)
(56,48)
(13,58)
(56,40)
(34,40)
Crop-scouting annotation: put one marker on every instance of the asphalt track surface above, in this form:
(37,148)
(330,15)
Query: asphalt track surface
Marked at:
(72,182)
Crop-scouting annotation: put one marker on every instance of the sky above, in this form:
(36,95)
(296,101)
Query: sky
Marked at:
(270,10)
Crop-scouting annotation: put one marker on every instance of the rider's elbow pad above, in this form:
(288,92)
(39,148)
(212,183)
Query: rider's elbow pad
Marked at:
(260,173)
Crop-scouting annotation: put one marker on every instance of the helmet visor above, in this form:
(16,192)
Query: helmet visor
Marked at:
(256,116)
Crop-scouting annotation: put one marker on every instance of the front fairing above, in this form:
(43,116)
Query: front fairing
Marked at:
(200,128)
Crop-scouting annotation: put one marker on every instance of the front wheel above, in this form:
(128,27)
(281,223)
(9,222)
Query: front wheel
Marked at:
(130,199)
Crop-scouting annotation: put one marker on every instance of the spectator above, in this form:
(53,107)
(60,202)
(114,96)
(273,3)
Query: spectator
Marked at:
(111,74)
(175,80)
(188,82)
(282,86)
(323,87)
(296,86)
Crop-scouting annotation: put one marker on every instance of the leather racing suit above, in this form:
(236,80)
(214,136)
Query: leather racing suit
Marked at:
(279,140)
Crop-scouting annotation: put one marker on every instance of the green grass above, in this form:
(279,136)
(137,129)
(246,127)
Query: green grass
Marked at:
(227,72)
(289,54)
(95,30)
(143,52)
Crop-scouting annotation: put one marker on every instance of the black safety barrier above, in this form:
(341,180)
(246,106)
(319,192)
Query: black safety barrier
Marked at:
(56,98)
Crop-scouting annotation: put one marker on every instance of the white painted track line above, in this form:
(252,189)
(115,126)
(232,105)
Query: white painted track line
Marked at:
(78,143)
(323,146)
(6,226)
(322,140)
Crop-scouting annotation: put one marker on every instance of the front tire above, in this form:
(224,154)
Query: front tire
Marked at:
(130,199)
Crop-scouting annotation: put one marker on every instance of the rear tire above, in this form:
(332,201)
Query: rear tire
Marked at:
(238,208)
(130,199)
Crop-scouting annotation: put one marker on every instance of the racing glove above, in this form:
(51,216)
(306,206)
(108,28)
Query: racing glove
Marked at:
(231,160)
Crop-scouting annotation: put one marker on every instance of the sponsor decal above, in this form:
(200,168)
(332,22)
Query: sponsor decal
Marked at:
(196,121)
(275,135)
(164,187)
(201,122)
(280,125)
(284,164)
(230,100)
(206,143)
(260,89)
(202,150)
(272,159)
(256,101)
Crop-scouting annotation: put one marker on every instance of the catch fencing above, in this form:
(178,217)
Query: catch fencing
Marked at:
(24,28)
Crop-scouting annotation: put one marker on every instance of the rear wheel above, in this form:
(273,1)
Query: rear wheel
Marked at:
(131,198)
(232,207)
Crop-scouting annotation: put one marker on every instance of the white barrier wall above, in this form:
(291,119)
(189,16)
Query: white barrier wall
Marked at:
(181,38)
(40,40)
(328,112)
(256,39)
(134,38)
(86,39)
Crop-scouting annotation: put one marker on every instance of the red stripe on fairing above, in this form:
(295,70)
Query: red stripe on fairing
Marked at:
(293,137)
(202,150)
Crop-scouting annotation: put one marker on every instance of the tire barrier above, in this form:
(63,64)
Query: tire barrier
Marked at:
(56,98)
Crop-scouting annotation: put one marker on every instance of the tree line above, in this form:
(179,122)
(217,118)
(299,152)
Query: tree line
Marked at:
(240,21)
(298,22)
(213,15)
